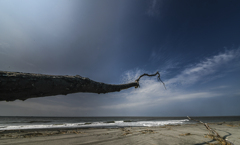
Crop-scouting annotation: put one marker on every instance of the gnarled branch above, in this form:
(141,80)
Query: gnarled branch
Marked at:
(22,86)
(157,73)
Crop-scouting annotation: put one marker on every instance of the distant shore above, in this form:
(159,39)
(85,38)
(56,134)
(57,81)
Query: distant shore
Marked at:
(168,134)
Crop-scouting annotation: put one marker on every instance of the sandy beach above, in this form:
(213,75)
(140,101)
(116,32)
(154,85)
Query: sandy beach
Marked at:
(192,134)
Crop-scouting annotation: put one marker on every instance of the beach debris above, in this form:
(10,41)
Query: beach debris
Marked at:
(26,134)
(230,125)
(147,131)
(126,131)
(169,128)
(32,134)
(213,135)
(173,125)
(185,134)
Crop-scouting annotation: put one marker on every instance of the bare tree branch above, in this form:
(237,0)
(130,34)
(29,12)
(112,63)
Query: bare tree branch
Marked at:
(22,86)
(157,73)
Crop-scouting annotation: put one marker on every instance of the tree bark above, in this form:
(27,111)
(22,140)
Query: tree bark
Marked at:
(22,86)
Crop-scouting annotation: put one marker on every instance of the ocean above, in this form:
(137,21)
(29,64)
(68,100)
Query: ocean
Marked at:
(21,122)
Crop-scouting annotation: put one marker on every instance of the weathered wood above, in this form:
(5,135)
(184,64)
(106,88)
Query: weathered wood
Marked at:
(213,134)
(22,86)
(157,73)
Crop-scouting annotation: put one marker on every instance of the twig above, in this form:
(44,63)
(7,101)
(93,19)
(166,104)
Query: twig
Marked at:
(157,73)
(214,134)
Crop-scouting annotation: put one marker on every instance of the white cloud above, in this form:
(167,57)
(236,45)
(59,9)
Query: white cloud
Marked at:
(132,75)
(209,66)
(152,92)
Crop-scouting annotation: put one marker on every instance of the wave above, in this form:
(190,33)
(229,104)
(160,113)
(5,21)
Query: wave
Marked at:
(97,124)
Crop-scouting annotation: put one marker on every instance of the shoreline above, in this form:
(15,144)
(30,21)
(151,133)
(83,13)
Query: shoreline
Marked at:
(167,134)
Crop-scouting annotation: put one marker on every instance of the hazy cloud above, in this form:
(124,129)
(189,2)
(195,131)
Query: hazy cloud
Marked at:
(196,72)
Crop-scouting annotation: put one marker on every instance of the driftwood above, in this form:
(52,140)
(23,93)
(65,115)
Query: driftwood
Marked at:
(22,86)
(213,134)
(157,73)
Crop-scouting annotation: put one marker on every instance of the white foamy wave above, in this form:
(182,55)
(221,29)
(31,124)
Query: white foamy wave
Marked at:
(96,124)
(119,121)
(161,123)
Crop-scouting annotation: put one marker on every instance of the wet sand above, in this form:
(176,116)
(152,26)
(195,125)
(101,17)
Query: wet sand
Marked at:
(191,134)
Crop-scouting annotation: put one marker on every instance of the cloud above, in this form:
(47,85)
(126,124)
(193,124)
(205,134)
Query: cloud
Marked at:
(220,87)
(211,65)
(152,93)
(132,75)
(149,97)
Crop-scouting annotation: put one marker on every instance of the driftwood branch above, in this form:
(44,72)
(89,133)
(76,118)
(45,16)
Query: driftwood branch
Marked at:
(157,73)
(22,86)
(213,134)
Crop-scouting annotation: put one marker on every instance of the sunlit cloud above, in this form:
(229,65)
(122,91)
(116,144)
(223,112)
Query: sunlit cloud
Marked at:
(148,99)
(132,75)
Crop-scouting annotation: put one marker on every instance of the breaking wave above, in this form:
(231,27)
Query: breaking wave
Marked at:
(97,124)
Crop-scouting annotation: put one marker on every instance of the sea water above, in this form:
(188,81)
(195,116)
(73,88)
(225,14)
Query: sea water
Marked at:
(16,123)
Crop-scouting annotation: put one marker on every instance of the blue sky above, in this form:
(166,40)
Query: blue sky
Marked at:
(195,45)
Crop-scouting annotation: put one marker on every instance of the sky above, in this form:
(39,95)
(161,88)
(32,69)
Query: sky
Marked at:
(194,44)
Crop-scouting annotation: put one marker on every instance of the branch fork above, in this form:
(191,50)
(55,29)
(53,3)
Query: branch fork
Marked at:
(157,73)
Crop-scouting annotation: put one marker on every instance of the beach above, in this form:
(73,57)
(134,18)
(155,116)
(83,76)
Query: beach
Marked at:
(191,134)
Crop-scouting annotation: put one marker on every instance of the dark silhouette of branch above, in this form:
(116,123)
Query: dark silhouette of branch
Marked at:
(157,73)
(213,133)
(22,86)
